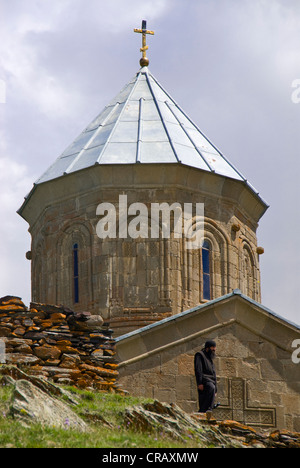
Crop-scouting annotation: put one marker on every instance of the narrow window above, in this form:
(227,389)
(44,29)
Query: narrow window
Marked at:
(75,274)
(206,270)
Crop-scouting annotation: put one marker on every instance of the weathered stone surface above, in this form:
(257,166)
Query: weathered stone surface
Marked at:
(47,352)
(70,361)
(13,372)
(57,317)
(86,321)
(11,300)
(31,404)
(21,359)
(5,331)
(171,420)
(99,370)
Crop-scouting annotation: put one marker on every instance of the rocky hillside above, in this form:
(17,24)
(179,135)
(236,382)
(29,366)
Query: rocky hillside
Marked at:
(36,401)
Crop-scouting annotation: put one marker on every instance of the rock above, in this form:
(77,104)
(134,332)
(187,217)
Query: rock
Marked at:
(21,359)
(28,322)
(82,316)
(95,321)
(45,308)
(31,404)
(19,331)
(62,343)
(70,361)
(236,428)
(16,342)
(85,321)
(47,352)
(17,374)
(67,350)
(44,324)
(33,335)
(5,331)
(11,307)
(58,317)
(99,370)
(97,357)
(55,371)
(7,380)
(171,420)
(9,300)
(284,438)
(23,349)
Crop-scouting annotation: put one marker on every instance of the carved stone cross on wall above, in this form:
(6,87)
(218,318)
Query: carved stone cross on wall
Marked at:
(238,408)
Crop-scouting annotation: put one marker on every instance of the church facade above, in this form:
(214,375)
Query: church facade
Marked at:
(142,148)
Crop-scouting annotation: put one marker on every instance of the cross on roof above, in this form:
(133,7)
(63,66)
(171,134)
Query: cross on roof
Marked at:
(144,62)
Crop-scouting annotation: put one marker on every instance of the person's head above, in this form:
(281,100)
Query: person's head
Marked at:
(210,347)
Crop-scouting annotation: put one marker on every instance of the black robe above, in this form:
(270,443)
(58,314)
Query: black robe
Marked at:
(205,375)
(204,369)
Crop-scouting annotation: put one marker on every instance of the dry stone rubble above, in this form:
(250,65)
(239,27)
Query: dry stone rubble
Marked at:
(57,343)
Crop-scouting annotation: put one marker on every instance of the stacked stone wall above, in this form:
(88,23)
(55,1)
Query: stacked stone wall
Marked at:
(58,344)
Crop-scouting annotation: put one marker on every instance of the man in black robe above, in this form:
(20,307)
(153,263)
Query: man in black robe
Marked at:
(206,377)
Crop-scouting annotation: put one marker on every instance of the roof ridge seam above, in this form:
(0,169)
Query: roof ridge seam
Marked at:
(118,119)
(189,137)
(162,120)
(95,134)
(138,146)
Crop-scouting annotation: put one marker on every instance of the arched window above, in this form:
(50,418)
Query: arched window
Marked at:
(74,267)
(206,273)
(248,281)
(75,274)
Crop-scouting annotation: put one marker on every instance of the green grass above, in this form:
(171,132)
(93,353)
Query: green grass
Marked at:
(92,406)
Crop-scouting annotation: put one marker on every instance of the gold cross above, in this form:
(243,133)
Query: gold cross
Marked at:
(144,62)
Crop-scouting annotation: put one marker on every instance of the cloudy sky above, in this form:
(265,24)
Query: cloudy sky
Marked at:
(233,65)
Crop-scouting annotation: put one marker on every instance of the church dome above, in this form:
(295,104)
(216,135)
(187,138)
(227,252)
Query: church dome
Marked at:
(142,124)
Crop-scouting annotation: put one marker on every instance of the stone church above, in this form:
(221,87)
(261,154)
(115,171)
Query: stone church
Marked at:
(162,298)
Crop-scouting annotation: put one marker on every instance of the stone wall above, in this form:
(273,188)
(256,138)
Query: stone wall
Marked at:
(258,384)
(56,343)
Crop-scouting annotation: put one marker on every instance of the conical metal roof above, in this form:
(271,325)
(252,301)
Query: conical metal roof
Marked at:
(142,124)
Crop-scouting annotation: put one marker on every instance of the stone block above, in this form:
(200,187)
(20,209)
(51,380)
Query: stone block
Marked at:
(271,369)
(47,352)
(185,365)
(228,367)
(164,395)
(248,370)
(183,387)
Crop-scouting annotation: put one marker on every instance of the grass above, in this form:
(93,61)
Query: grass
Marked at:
(92,407)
